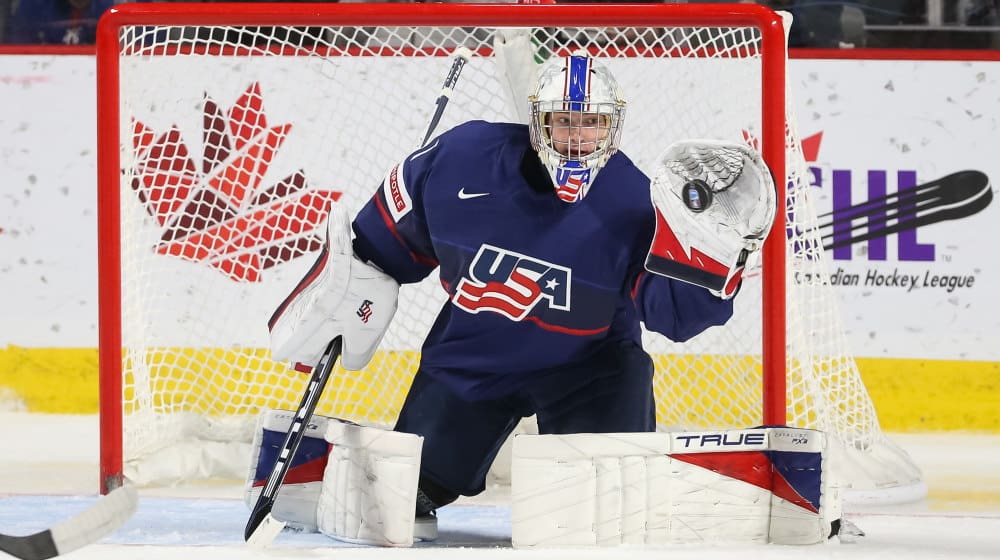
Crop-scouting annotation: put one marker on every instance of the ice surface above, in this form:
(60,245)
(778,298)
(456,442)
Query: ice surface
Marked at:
(48,471)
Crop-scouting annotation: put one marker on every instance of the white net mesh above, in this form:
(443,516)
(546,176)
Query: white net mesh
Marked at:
(235,140)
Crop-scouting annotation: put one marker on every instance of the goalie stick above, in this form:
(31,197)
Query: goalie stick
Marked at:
(462,55)
(262,527)
(107,514)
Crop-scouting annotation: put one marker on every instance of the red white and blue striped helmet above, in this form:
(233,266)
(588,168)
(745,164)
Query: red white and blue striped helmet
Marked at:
(577,110)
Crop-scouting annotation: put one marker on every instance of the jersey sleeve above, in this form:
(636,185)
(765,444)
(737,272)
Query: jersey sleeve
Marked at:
(391,229)
(676,309)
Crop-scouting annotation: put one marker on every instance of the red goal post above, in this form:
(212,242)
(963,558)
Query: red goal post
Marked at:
(157,386)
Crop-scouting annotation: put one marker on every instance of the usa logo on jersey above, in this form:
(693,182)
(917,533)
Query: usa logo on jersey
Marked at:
(511,284)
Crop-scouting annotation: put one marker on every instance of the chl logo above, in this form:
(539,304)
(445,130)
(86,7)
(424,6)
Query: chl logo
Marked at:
(511,284)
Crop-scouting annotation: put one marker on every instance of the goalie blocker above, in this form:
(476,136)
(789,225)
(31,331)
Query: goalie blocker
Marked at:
(339,295)
(764,485)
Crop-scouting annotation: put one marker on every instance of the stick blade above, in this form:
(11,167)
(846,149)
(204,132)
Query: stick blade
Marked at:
(264,532)
(261,511)
(105,516)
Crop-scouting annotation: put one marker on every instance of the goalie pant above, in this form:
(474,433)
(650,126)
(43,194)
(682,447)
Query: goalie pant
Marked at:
(612,392)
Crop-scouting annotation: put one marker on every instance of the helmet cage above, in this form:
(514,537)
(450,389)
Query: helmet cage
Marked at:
(576,120)
(573,131)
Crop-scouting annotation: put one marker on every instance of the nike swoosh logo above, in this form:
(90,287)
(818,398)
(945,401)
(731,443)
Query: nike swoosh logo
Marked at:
(462,195)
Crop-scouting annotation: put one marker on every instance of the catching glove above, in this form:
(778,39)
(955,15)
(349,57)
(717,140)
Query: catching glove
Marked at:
(715,204)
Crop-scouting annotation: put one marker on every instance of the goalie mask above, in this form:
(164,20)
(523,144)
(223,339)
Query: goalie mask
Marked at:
(575,124)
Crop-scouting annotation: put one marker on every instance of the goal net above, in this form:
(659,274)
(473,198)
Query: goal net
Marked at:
(227,132)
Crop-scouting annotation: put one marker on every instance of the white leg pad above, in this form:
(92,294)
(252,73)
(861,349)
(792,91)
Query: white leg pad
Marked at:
(296,501)
(370,485)
(800,455)
(758,485)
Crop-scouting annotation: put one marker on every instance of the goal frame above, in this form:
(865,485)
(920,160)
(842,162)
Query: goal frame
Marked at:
(773,119)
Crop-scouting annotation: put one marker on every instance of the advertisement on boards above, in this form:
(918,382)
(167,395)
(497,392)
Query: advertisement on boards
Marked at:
(902,158)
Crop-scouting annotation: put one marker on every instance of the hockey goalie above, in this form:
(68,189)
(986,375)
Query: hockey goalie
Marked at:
(553,248)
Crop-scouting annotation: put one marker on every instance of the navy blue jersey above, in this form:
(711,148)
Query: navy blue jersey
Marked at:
(534,284)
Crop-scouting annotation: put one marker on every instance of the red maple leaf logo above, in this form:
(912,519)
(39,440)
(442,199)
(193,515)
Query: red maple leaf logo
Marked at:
(219,215)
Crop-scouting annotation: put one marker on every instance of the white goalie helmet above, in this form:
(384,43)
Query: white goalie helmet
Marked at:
(577,110)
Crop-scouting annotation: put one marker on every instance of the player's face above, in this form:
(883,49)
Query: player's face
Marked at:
(575,134)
